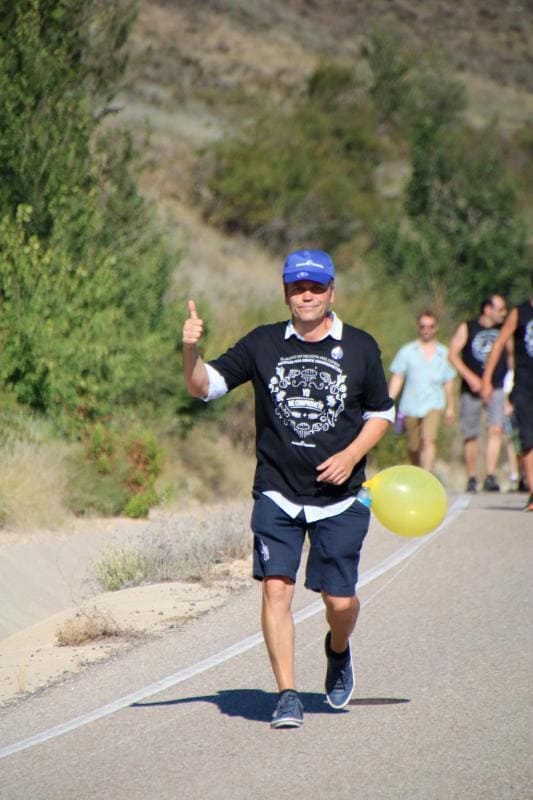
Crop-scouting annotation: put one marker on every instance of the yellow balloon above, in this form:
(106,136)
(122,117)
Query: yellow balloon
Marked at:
(407,500)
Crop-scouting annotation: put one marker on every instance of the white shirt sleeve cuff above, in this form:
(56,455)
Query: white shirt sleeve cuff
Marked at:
(217,385)
(389,415)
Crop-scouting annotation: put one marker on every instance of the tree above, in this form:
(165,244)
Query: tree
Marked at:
(462,236)
(84,327)
(60,61)
(411,90)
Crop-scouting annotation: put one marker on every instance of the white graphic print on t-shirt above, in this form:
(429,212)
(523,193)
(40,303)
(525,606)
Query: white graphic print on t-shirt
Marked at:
(482,344)
(528,338)
(309,392)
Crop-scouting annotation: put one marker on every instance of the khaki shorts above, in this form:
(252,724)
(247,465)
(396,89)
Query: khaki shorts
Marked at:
(418,428)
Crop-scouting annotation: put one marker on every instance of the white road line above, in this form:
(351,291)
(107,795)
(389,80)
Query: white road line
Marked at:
(409,549)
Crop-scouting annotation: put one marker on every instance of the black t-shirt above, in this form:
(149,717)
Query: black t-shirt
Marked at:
(309,404)
(478,345)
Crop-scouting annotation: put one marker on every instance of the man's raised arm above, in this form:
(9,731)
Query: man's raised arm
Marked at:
(194,370)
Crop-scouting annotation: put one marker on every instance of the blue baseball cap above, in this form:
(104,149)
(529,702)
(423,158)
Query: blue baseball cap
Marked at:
(308,265)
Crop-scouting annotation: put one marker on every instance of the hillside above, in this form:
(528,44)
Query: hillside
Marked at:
(200,70)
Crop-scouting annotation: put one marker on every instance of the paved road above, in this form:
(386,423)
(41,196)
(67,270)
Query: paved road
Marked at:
(443,668)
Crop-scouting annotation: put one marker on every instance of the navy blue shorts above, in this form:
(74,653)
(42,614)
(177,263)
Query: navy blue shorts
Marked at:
(334,546)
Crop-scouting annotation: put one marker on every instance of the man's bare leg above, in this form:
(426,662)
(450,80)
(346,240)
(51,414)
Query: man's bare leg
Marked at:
(494,443)
(428,454)
(278,629)
(341,616)
(470,451)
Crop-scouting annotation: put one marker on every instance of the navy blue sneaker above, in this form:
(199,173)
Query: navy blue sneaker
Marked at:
(491,484)
(340,681)
(289,712)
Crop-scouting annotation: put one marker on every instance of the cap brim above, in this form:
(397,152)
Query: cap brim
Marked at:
(307,275)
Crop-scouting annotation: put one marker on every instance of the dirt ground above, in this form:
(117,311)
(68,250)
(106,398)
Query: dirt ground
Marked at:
(45,586)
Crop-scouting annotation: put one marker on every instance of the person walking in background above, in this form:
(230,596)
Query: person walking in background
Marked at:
(511,437)
(519,326)
(468,352)
(321,405)
(420,368)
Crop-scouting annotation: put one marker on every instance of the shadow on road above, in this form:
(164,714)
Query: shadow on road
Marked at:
(256,705)
(500,508)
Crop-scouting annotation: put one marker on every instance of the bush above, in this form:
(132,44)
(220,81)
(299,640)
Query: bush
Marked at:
(115,473)
(305,175)
(87,626)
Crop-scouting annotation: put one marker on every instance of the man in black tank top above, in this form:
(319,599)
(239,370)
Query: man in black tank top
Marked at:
(519,325)
(469,349)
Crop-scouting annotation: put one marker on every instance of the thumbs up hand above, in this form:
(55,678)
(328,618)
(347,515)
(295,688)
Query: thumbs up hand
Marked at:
(193,327)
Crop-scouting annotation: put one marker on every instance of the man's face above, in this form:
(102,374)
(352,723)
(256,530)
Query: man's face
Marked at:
(497,311)
(427,328)
(309,301)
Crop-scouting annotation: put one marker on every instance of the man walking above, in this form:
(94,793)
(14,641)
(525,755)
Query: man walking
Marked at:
(469,349)
(422,370)
(519,326)
(321,403)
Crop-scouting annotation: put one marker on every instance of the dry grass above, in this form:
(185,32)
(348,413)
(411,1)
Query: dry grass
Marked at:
(183,547)
(233,274)
(33,479)
(87,626)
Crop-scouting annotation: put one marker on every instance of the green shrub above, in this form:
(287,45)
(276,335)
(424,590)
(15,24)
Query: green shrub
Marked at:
(140,504)
(91,491)
(119,568)
(115,473)
(462,235)
(304,175)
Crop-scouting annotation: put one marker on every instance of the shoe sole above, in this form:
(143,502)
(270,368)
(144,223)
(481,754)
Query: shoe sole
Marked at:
(292,722)
(343,705)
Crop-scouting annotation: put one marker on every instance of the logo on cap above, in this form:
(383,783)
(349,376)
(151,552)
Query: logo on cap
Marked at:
(309,263)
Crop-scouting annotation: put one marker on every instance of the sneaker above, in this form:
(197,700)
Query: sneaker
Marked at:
(289,712)
(340,680)
(522,486)
(471,486)
(491,484)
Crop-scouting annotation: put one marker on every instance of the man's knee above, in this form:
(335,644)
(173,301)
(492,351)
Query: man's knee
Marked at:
(340,605)
(277,589)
